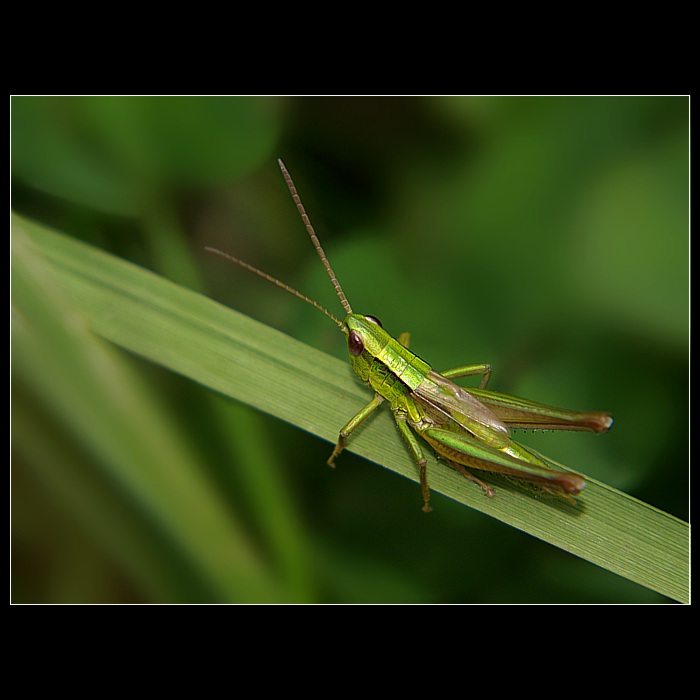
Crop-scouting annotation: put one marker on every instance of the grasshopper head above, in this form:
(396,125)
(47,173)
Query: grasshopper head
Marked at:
(366,339)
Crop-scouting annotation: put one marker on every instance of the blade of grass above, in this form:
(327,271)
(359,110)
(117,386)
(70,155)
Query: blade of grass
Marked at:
(145,465)
(243,434)
(263,368)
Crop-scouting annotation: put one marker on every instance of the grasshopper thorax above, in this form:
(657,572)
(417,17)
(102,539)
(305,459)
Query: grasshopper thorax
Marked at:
(380,359)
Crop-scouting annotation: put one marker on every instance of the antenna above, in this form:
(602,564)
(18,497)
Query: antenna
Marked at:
(314,238)
(319,250)
(274,280)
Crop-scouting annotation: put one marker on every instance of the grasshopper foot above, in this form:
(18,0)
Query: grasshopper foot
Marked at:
(336,451)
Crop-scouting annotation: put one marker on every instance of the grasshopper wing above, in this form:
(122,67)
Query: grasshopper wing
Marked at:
(445,402)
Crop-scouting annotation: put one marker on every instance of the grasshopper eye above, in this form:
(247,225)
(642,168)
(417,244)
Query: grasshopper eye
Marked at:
(356,345)
(374,319)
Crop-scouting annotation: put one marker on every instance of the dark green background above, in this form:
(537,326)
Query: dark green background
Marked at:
(547,235)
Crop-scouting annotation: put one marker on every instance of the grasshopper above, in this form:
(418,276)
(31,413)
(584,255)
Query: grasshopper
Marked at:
(468,428)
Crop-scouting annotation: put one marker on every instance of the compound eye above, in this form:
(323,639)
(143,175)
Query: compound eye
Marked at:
(374,319)
(356,345)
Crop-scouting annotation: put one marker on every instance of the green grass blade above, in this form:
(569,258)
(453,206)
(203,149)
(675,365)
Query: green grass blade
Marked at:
(149,502)
(258,366)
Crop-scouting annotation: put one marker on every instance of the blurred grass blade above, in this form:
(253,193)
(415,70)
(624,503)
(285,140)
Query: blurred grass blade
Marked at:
(147,467)
(243,435)
(263,368)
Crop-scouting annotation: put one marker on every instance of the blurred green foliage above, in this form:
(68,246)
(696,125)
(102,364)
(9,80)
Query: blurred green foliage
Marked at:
(548,236)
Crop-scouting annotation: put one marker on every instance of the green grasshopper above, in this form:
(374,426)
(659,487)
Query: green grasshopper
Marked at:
(467,428)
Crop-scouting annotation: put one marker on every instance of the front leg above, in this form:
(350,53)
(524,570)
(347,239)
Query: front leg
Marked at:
(352,424)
